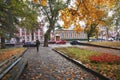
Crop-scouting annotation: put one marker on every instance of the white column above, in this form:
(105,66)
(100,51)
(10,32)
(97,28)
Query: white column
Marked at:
(25,35)
(39,34)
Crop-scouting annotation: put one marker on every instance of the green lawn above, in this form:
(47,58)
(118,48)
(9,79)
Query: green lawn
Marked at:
(112,44)
(110,70)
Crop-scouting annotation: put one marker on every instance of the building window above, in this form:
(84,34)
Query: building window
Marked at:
(70,34)
(66,34)
(76,35)
(23,30)
(62,35)
(36,37)
(27,37)
(73,35)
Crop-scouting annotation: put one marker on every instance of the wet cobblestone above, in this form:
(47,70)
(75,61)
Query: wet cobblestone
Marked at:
(49,65)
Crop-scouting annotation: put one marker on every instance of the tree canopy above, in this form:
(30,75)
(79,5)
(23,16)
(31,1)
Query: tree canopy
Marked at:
(50,9)
(15,13)
(89,11)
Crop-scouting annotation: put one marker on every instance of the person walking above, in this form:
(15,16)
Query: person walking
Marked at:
(37,44)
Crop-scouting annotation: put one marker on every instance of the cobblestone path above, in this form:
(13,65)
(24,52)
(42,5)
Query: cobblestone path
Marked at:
(49,65)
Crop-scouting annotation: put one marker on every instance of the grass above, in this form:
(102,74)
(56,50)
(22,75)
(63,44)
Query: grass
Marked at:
(7,53)
(109,70)
(112,44)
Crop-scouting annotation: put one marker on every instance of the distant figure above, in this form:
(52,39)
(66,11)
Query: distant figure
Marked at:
(23,41)
(37,45)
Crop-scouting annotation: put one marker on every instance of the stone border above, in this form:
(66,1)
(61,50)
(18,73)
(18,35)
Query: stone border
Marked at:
(83,66)
(87,44)
(23,52)
(9,68)
(24,65)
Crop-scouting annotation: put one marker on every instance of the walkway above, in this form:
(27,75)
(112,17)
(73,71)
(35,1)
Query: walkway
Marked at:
(49,65)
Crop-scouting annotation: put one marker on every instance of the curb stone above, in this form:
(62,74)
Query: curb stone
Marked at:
(24,65)
(83,66)
(23,52)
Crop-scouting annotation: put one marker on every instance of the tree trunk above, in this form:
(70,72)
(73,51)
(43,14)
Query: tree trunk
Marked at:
(46,37)
(88,37)
(2,42)
(32,35)
(107,33)
(46,40)
(47,34)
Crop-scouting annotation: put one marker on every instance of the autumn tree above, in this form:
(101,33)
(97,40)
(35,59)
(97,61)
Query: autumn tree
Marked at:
(92,12)
(50,9)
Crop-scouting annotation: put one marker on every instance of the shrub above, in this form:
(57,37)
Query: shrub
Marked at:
(105,58)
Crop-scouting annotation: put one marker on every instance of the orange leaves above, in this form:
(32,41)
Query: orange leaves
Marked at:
(78,28)
(7,54)
(66,25)
(66,17)
(89,11)
(77,2)
(101,23)
(35,1)
(107,3)
(43,2)
(70,16)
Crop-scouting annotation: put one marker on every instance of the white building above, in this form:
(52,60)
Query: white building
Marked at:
(68,35)
(27,35)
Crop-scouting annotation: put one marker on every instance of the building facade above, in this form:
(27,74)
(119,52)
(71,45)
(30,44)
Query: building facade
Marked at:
(27,35)
(68,35)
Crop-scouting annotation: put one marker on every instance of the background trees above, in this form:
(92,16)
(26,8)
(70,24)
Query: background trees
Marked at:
(23,12)
(13,13)
(116,18)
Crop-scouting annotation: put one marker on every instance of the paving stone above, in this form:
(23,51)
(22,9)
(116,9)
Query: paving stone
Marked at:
(49,65)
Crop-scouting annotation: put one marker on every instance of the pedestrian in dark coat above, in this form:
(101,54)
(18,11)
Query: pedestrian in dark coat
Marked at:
(37,45)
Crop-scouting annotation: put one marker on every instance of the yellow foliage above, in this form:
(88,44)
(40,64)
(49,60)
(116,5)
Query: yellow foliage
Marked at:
(91,11)
(43,2)
(78,28)
(66,26)
(35,1)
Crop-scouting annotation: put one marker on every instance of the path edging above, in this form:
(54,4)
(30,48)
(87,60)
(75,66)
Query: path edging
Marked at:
(25,63)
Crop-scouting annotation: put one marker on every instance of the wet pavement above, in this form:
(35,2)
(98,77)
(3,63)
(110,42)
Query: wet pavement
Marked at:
(49,65)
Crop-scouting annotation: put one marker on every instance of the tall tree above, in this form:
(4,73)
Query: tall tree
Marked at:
(91,31)
(50,9)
